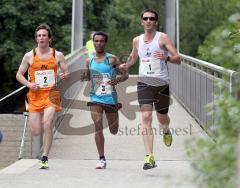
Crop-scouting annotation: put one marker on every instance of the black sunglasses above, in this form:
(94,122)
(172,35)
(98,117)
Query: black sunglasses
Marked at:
(150,18)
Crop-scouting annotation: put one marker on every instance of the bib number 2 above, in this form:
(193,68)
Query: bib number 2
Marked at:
(45,78)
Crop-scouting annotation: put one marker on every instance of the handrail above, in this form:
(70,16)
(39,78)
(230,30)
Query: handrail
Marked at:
(208,65)
(20,155)
(13,93)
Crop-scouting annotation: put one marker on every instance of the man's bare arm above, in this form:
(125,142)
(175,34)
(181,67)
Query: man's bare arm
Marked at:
(22,70)
(134,54)
(123,73)
(62,65)
(85,74)
(174,56)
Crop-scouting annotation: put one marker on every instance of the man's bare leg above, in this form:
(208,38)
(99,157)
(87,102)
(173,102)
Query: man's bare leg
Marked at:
(48,129)
(147,133)
(97,115)
(164,121)
(113,121)
(35,119)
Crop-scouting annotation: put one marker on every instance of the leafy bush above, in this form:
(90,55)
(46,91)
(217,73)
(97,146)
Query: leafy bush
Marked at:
(218,165)
(222,45)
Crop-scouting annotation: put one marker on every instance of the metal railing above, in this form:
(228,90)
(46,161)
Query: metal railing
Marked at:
(13,93)
(197,84)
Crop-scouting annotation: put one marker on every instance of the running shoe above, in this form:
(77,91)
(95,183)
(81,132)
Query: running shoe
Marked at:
(149,162)
(43,164)
(101,164)
(167,139)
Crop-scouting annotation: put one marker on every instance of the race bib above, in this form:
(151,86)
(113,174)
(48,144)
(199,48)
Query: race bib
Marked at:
(101,84)
(150,67)
(45,78)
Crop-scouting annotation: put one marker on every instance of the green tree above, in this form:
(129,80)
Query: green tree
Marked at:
(225,39)
(198,18)
(96,14)
(18,22)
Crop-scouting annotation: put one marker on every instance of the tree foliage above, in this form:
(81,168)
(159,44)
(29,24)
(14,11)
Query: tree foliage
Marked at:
(96,14)
(225,39)
(217,167)
(198,18)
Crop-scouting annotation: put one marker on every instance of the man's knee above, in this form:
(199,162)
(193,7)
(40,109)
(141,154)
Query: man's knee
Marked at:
(47,126)
(96,117)
(35,132)
(146,117)
(98,130)
(113,128)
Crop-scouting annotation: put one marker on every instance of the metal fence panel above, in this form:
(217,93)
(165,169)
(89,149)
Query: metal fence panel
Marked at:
(197,85)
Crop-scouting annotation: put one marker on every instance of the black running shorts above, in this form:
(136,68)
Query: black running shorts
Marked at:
(157,95)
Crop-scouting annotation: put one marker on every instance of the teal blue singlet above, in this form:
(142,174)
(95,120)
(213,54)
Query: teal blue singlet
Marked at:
(101,73)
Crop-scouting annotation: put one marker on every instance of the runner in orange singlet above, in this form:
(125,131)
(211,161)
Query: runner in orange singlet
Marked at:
(43,72)
(43,98)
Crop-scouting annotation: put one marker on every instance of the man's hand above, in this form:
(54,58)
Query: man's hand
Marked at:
(33,86)
(123,67)
(113,82)
(63,76)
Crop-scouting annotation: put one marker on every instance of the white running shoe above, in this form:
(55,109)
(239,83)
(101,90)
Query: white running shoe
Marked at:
(101,164)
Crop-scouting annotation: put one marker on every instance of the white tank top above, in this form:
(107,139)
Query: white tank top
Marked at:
(152,71)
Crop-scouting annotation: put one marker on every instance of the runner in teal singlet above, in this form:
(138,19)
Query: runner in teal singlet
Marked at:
(102,69)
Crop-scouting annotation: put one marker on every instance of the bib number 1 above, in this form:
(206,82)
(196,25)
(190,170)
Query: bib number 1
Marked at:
(150,67)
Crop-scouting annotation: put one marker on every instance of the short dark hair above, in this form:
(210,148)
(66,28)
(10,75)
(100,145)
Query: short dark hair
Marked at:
(101,33)
(150,10)
(44,26)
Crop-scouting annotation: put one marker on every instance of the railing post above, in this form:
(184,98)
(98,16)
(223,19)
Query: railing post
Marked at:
(23,136)
(170,22)
(77,24)
(235,86)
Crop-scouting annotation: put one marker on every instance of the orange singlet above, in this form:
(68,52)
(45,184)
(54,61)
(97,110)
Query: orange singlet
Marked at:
(44,73)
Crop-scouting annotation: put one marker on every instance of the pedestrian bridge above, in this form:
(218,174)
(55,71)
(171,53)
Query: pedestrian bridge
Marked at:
(194,85)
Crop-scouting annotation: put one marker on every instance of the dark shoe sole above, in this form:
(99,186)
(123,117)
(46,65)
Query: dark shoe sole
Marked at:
(44,168)
(148,167)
